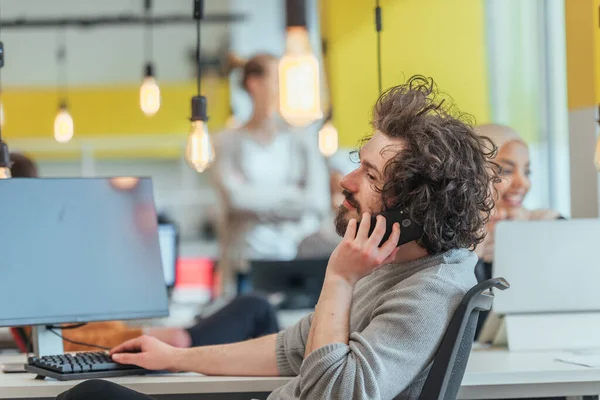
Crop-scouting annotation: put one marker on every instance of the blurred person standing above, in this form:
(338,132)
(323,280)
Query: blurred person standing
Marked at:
(271,178)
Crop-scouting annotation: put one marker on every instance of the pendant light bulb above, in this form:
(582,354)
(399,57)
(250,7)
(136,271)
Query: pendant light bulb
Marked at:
(199,152)
(63,125)
(328,139)
(149,93)
(299,86)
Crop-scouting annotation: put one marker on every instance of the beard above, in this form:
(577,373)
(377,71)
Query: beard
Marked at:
(341,220)
(342,217)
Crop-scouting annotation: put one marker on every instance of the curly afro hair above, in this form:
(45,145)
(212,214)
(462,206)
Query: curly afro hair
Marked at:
(444,174)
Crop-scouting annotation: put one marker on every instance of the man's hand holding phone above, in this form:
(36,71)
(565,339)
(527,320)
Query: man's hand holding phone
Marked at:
(355,257)
(359,254)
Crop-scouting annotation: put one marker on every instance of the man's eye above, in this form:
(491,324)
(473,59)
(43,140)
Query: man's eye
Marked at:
(371,177)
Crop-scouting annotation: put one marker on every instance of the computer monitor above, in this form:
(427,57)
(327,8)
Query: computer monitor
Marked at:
(551,266)
(77,250)
(298,281)
(167,236)
(553,300)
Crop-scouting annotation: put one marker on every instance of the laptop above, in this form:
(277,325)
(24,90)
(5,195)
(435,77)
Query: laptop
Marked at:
(553,271)
(552,266)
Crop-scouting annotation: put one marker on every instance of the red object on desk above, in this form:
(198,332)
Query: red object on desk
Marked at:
(196,272)
(21,338)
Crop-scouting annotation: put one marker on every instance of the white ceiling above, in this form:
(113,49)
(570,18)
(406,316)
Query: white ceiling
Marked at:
(103,55)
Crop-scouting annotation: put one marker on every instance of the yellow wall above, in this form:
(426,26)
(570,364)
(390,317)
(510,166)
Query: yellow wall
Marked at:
(444,39)
(583,54)
(110,111)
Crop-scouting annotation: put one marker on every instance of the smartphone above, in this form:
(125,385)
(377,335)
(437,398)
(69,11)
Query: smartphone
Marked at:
(409,230)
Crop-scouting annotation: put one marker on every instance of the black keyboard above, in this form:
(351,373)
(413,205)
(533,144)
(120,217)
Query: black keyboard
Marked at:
(88,365)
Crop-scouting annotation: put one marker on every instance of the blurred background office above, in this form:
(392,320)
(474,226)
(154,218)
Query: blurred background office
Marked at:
(530,65)
(247,179)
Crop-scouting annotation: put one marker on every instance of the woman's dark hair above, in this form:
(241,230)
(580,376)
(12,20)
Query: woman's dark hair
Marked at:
(22,166)
(254,67)
(444,173)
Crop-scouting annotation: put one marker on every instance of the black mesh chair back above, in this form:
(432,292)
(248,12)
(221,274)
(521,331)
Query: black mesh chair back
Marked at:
(450,362)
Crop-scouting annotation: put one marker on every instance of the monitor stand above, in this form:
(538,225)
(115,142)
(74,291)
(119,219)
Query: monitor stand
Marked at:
(46,342)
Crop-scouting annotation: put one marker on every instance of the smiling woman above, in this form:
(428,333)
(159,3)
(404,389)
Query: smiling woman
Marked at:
(515,183)
(513,160)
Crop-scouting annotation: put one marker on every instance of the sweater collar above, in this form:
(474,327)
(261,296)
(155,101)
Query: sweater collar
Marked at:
(453,256)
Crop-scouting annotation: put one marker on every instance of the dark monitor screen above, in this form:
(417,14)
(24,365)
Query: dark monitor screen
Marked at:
(78,250)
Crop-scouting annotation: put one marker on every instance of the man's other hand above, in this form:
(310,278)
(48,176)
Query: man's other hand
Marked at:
(146,352)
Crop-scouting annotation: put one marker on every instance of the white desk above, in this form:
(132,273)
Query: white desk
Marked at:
(499,374)
(491,374)
(23,385)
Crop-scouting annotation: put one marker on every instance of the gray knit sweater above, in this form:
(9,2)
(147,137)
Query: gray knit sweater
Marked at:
(398,318)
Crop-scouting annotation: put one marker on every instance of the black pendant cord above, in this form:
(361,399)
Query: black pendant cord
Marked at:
(148,35)
(198,55)
(62,79)
(378,28)
(199,103)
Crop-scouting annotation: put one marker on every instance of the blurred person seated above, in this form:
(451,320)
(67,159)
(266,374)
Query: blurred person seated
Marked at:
(384,308)
(271,179)
(244,318)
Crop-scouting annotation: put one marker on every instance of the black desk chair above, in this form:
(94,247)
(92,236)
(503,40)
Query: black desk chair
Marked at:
(450,362)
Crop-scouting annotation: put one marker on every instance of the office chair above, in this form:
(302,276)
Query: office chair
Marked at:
(450,361)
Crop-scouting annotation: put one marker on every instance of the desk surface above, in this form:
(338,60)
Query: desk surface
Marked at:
(23,385)
(491,374)
(500,374)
